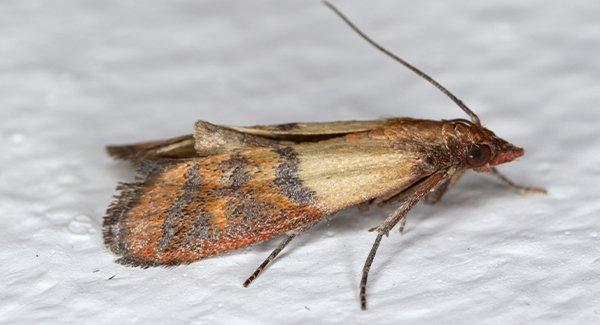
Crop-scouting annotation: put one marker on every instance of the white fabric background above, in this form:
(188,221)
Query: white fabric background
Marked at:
(76,75)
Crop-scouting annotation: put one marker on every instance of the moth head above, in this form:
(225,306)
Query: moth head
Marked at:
(484,149)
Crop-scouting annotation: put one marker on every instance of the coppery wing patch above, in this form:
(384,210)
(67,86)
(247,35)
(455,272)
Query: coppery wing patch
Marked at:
(176,213)
(185,211)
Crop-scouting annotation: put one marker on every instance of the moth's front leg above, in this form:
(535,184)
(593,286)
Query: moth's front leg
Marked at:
(434,196)
(523,190)
(409,198)
(439,191)
(364,207)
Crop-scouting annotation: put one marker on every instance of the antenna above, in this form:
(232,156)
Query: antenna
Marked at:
(474,117)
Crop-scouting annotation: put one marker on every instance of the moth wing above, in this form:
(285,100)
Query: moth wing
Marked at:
(301,132)
(174,148)
(210,139)
(186,210)
(214,139)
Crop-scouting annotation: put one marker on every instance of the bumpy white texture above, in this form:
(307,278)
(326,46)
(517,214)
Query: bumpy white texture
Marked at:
(76,75)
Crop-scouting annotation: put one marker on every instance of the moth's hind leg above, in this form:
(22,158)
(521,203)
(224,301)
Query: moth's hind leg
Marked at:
(518,188)
(288,238)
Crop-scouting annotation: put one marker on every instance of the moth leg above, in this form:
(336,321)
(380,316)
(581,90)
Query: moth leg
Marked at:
(383,229)
(365,272)
(434,196)
(519,188)
(403,225)
(439,191)
(411,197)
(288,238)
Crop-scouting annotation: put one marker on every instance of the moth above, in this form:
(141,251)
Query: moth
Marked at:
(224,188)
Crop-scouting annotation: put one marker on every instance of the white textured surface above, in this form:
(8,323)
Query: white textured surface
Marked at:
(76,75)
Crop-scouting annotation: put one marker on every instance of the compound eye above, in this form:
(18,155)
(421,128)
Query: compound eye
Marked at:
(479,155)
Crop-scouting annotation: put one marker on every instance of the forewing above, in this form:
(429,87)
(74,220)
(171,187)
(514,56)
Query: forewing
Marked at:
(300,132)
(174,148)
(210,139)
(185,210)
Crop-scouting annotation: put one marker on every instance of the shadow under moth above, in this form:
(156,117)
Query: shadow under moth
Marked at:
(226,187)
